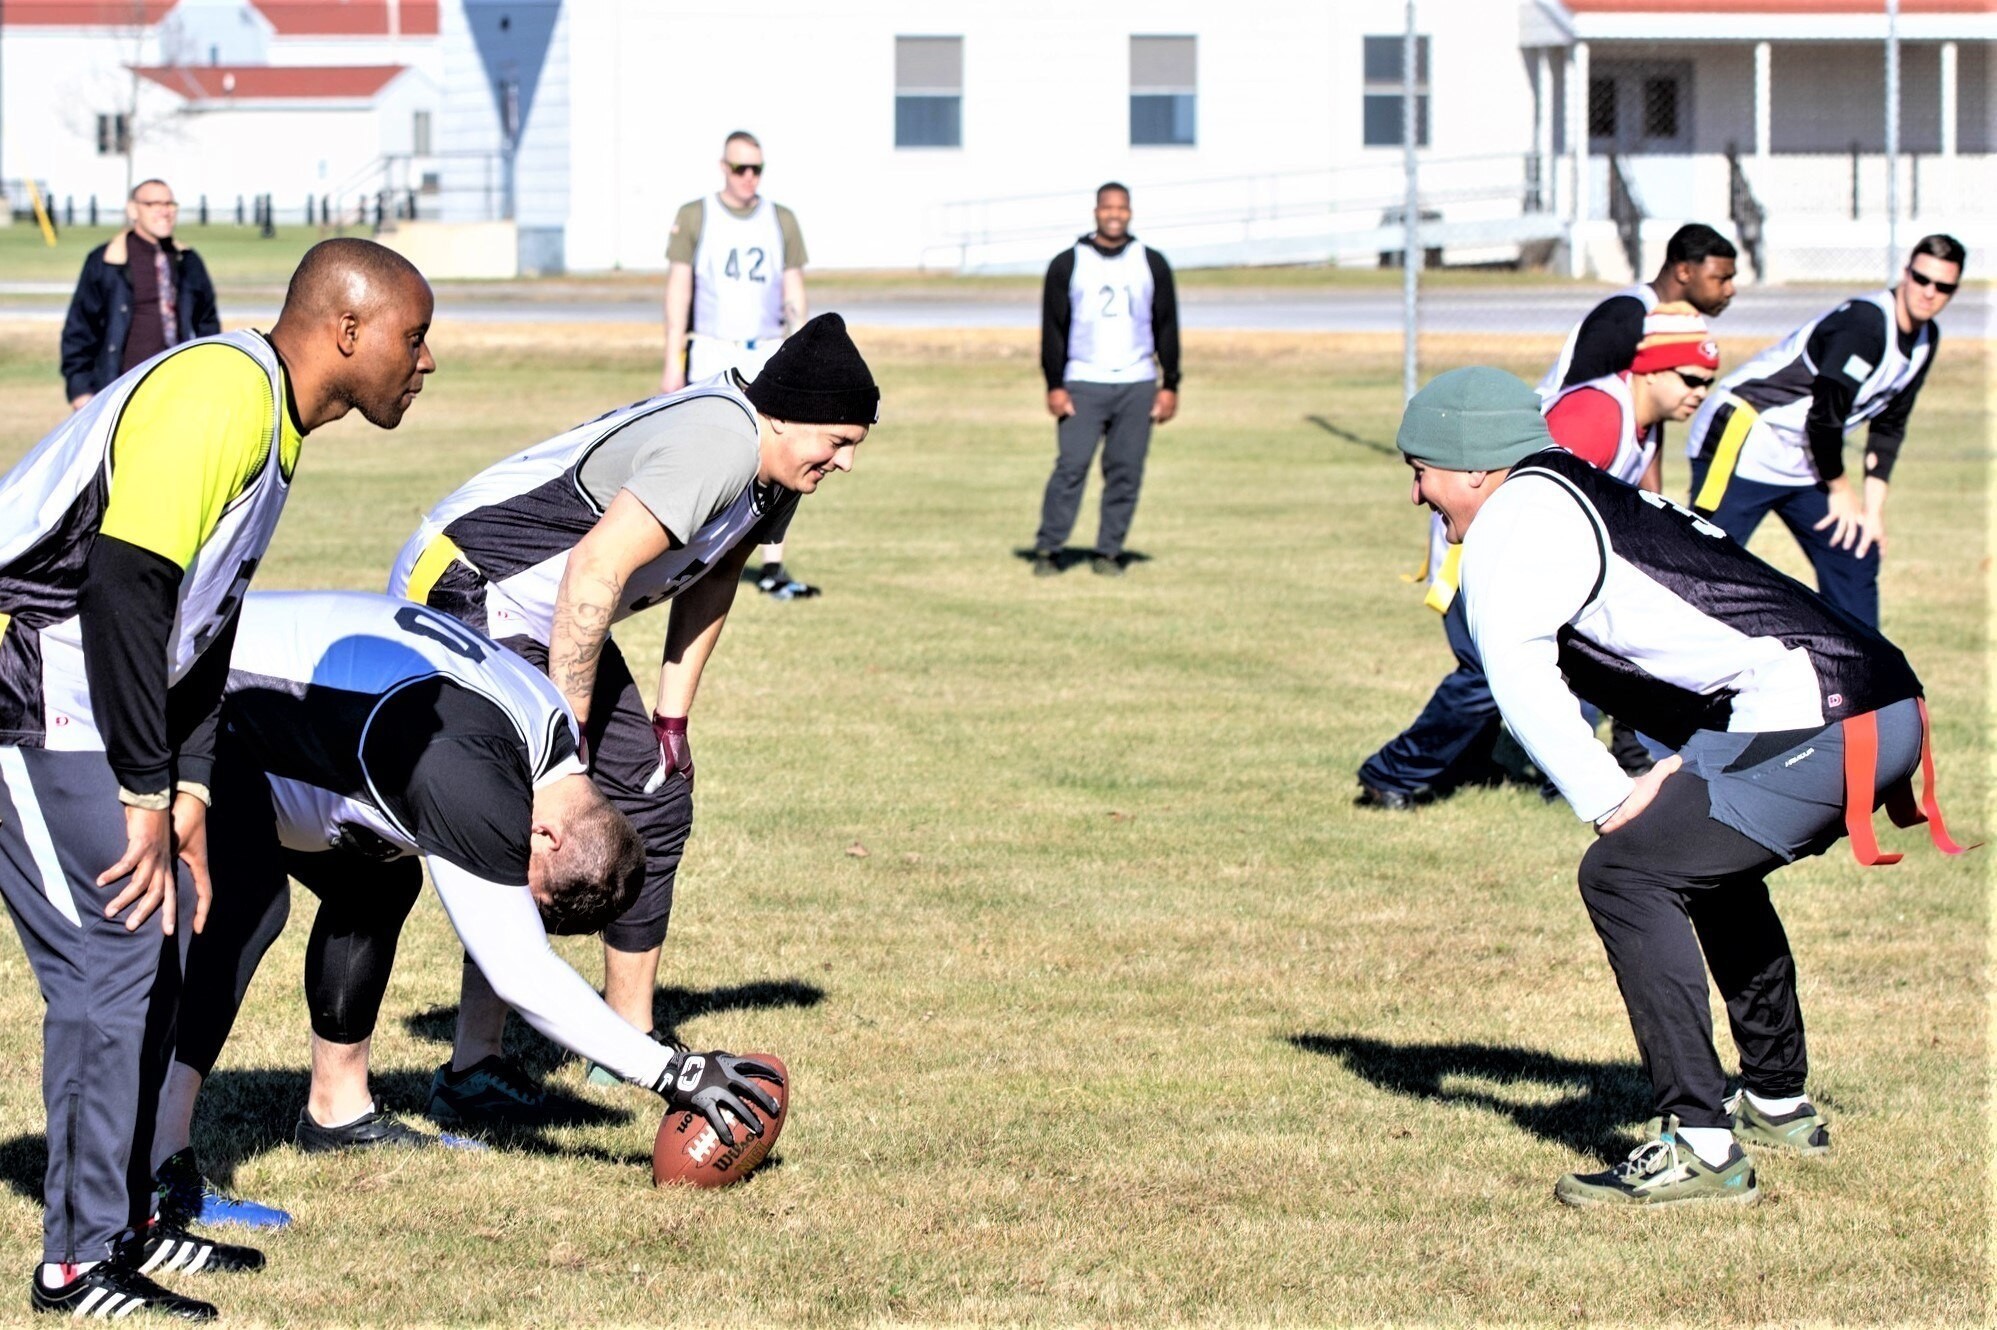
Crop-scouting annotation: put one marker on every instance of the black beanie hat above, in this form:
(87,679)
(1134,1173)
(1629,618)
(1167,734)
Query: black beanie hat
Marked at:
(818,378)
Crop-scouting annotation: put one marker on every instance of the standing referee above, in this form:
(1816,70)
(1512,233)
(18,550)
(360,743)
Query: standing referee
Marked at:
(1109,346)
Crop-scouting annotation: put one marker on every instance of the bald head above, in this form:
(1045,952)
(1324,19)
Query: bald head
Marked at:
(354,333)
(347,274)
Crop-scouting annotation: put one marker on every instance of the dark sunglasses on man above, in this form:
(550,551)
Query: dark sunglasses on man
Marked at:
(1694,380)
(1922,279)
(756,168)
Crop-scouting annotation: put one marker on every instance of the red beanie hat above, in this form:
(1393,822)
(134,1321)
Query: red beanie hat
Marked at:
(1674,335)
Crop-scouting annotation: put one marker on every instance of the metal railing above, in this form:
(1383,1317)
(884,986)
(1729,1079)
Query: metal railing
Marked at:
(1626,211)
(1294,216)
(1745,211)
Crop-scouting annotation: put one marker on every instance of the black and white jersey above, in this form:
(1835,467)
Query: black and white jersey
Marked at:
(391,729)
(514,524)
(1109,316)
(386,729)
(1573,580)
(1604,342)
(1802,395)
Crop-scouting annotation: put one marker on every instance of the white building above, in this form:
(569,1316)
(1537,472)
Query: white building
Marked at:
(918,132)
(331,100)
(943,133)
(909,132)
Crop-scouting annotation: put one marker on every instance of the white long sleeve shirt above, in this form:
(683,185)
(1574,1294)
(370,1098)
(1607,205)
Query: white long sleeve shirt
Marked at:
(1531,560)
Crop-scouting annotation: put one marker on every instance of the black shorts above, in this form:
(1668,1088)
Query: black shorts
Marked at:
(623,760)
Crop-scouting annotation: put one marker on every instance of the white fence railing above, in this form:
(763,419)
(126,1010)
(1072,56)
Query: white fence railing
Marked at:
(1473,208)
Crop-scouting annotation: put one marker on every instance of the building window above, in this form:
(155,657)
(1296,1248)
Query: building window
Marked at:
(1660,108)
(1602,108)
(1640,106)
(114,135)
(1163,90)
(1382,121)
(929,92)
(419,134)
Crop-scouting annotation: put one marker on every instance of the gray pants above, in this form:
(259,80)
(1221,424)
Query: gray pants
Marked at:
(1117,415)
(110,994)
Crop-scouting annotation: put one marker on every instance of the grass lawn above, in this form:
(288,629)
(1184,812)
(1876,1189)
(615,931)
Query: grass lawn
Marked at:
(238,257)
(1103,1003)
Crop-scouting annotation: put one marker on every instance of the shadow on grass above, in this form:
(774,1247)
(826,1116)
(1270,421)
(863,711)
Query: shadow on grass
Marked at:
(1340,432)
(670,1008)
(246,1113)
(1606,1099)
(1070,555)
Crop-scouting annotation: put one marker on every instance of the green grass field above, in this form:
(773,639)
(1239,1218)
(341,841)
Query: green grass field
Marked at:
(239,258)
(1103,1003)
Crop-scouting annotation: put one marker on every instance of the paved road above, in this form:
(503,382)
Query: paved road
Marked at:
(1527,309)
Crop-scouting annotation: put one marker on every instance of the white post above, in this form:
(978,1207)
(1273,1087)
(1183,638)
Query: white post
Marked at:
(1542,135)
(1892,138)
(1577,127)
(1578,200)
(1764,81)
(1949,110)
(1411,253)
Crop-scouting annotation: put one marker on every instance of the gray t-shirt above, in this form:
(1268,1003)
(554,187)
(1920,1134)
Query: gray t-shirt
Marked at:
(686,464)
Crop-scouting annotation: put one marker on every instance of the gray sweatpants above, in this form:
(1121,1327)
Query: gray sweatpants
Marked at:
(110,994)
(1117,415)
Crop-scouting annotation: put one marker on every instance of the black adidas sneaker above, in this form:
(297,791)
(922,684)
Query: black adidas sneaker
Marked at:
(160,1248)
(115,1288)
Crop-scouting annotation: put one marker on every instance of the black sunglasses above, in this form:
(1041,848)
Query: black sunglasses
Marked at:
(1922,279)
(1693,380)
(745,168)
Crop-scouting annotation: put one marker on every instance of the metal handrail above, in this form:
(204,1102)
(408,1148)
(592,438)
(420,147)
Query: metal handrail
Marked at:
(1745,210)
(1626,211)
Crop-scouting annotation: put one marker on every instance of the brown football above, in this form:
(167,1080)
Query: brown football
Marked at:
(689,1152)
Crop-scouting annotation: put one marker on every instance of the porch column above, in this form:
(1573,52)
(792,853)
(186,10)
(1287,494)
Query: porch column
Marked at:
(1542,131)
(1948,99)
(1763,79)
(1577,128)
(1946,195)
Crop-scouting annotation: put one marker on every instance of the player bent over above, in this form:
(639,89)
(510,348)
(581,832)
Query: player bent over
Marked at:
(1611,422)
(127,538)
(661,500)
(1771,438)
(363,733)
(1792,721)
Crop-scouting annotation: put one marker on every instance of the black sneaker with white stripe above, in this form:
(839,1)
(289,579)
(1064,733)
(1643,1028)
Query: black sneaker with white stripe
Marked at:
(160,1249)
(115,1289)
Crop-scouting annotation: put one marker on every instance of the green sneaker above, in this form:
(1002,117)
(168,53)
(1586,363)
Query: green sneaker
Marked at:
(1802,1129)
(1662,1172)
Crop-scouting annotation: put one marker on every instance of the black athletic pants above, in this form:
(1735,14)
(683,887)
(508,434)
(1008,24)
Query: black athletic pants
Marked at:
(623,761)
(363,902)
(1686,875)
(1661,889)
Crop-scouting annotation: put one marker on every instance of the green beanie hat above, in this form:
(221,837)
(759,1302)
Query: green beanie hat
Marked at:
(1473,419)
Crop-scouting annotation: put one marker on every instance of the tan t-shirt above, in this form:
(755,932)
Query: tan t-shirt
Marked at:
(685,238)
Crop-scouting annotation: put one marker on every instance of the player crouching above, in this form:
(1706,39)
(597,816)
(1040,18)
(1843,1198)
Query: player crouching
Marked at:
(1791,719)
(362,733)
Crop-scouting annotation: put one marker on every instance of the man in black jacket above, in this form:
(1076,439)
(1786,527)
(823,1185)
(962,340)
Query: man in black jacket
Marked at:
(1109,347)
(139,294)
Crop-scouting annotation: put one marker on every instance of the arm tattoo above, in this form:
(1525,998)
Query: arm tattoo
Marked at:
(583,611)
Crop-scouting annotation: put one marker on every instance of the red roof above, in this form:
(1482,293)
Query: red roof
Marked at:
(1800,8)
(217,83)
(84,13)
(348,18)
